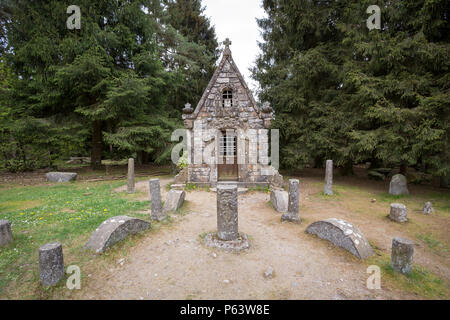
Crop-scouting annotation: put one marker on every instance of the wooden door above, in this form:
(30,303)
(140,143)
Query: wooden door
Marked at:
(228,170)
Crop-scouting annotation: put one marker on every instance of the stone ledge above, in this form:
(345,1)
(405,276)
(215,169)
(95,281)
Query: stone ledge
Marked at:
(241,243)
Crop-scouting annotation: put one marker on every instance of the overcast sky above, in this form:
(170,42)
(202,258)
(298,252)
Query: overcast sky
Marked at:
(236,19)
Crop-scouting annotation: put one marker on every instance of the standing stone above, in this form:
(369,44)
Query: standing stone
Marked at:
(155,199)
(279,200)
(130,185)
(428,208)
(227,212)
(51,263)
(328,189)
(402,255)
(398,212)
(5,232)
(174,200)
(292,213)
(398,185)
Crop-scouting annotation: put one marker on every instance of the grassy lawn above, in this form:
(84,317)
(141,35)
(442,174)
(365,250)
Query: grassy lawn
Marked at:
(67,213)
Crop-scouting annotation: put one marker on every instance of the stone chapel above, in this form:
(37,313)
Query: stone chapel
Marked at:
(239,143)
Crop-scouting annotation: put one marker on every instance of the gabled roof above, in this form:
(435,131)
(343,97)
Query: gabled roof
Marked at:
(225,57)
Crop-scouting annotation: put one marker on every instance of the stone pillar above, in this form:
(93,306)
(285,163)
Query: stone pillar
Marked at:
(51,263)
(130,185)
(292,213)
(328,189)
(398,212)
(5,232)
(402,255)
(155,199)
(227,212)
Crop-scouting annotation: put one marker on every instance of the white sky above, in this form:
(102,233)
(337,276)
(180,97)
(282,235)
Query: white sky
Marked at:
(236,19)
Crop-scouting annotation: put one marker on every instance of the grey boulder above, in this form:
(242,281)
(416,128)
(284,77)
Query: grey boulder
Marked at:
(342,234)
(398,185)
(279,200)
(174,200)
(114,230)
(61,176)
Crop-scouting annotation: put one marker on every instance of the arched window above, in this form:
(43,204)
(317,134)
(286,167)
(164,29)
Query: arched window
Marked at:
(227,98)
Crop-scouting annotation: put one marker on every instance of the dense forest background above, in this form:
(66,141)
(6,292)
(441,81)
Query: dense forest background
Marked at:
(116,87)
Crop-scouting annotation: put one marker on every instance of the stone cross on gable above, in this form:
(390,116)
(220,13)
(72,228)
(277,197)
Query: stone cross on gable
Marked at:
(227,42)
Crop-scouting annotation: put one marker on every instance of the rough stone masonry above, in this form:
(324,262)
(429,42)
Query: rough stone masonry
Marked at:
(292,214)
(227,212)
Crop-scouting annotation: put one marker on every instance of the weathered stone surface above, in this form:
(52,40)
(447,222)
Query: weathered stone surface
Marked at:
(5,232)
(130,182)
(157,212)
(51,263)
(174,200)
(402,255)
(227,212)
(398,212)
(342,234)
(328,188)
(181,177)
(279,200)
(276,180)
(114,230)
(293,198)
(398,185)
(239,243)
(61,176)
(428,208)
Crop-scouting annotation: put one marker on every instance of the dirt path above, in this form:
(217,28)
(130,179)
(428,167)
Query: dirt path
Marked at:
(173,263)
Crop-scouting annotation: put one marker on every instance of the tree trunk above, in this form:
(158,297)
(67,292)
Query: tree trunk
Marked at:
(403,169)
(96,154)
(445,181)
(347,169)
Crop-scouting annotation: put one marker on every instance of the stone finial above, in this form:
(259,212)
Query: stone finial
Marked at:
(227,51)
(51,263)
(266,107)
(187,108)
(402,255)
(5,232)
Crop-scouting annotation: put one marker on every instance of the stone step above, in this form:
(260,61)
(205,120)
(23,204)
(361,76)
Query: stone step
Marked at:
(240,190)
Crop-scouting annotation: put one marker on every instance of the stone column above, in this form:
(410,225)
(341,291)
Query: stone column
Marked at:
(155,199)
(51,263)
(227,212)
(398,212)
(402,255)
(328,189)
(130,185)
(5,232)
(292,213)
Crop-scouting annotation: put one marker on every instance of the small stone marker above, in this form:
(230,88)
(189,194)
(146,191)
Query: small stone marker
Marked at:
(174,200)
(428,208)
(402,255)
(5,233)
(227,236)
(227,212)
(342,234)
(130,183)
(279,200)
(292,212)
(398,185)
(328,189)
(51,263)
(155,199)
(398,212)
(61,176)
(114,230)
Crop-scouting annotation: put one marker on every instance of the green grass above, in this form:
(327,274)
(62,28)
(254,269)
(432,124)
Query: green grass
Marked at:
(62,212)
(420,281)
